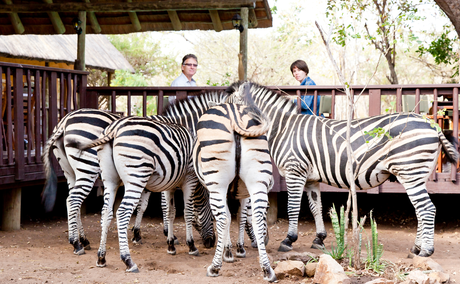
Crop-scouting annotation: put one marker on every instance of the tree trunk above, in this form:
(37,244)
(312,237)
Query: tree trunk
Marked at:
(452,10)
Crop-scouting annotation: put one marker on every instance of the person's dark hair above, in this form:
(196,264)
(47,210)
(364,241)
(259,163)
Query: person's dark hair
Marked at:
(300,64)
(189,56)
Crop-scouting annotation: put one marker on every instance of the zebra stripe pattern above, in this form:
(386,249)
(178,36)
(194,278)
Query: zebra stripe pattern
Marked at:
(155,154)
(218,160)
(81,172)
(309,150)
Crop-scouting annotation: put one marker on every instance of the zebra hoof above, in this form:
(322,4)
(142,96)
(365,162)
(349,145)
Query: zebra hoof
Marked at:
(284,247)
(79,252)
(194,252)
(101,262)
(426,252)
(133,269)
(415,250)
(137,242)
(317,246)
(241,254)
(228,255)
(85,244)
(269,275)
(212,271)
(254,244)
(88,247)
(172,252)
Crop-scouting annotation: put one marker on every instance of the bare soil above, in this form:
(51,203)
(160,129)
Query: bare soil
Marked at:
(40,253)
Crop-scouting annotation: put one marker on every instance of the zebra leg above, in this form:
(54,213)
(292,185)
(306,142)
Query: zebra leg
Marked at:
(110,192)
(164,208)
(189,185)
(83,240)
(259,201)
(218,200)
(141,207)
(228,255)
(124,212)
(295,190)
(425,211)
(171,214)
(314,199)
(242,221)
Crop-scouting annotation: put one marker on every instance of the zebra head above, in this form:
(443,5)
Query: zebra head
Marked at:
(203,220)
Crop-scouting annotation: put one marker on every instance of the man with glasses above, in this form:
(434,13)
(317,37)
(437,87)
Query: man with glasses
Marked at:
(189,66)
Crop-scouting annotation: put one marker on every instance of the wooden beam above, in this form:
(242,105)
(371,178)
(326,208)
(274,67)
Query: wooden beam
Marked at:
(175,20)
(93,21)
(81,43)
(55,19)
(252,19)
(244,40)
(215,18)
(11,217)
(134,20)
(15,20)
(161,5)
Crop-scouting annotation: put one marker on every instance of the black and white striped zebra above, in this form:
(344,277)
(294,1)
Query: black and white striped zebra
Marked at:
(308,150)
(143,153)
(219,158)
(81,172)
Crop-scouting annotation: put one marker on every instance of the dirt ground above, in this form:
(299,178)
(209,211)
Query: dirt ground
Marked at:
(40,253)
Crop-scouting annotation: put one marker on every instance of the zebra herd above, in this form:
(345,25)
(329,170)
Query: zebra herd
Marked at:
(219,145)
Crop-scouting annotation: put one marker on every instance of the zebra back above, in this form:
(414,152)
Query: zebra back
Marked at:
(187,112)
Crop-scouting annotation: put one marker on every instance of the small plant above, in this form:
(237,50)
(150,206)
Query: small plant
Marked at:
(374,250)
(338,226)
(378,132)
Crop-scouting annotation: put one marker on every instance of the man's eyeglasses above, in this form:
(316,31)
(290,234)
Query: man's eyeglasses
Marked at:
(191,64)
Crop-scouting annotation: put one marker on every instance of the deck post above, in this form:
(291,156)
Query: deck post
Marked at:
(11,218)
(272,213)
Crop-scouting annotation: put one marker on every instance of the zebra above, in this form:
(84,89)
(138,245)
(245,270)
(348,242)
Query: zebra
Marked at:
(218,158)
(143,153)
(309,150)
(81,172)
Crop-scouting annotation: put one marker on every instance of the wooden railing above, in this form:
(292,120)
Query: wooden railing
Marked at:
(34,98)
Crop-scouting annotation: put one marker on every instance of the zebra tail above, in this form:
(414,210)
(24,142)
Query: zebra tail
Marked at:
(104,138)
(449,148)
(253,131)
(50,190)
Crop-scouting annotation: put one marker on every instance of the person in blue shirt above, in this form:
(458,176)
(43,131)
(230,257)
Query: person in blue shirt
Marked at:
(299,69)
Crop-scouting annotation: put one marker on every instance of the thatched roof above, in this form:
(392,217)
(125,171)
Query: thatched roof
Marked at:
(122,16)
(100,53)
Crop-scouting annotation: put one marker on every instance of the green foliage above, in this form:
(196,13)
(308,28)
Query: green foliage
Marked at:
(378,132)
(339,232)
(441,49)
(126,78)
(433,123)
(226,81)
(374,250)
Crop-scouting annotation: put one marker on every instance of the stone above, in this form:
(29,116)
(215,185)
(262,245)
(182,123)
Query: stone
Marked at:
(426,263)
(438,277)
(380,281)
(310,269)
(328,271)
(290,267)
(305,257)
(418,277)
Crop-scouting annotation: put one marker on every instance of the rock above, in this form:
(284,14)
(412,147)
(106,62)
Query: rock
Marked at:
(305,257)
(380,281)
(328,271)
(426,263)
(438,277)
(310,269)
(418,277)
(291,267)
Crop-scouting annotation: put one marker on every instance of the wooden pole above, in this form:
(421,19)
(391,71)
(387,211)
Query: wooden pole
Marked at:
(11,218)
(272,213)
(244,40)
(81,39)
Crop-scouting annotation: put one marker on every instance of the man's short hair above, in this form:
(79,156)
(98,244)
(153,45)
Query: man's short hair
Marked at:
(300,64)
(189,56)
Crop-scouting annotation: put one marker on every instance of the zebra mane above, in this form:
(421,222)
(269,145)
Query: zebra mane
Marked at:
(187,112)
(250,93)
